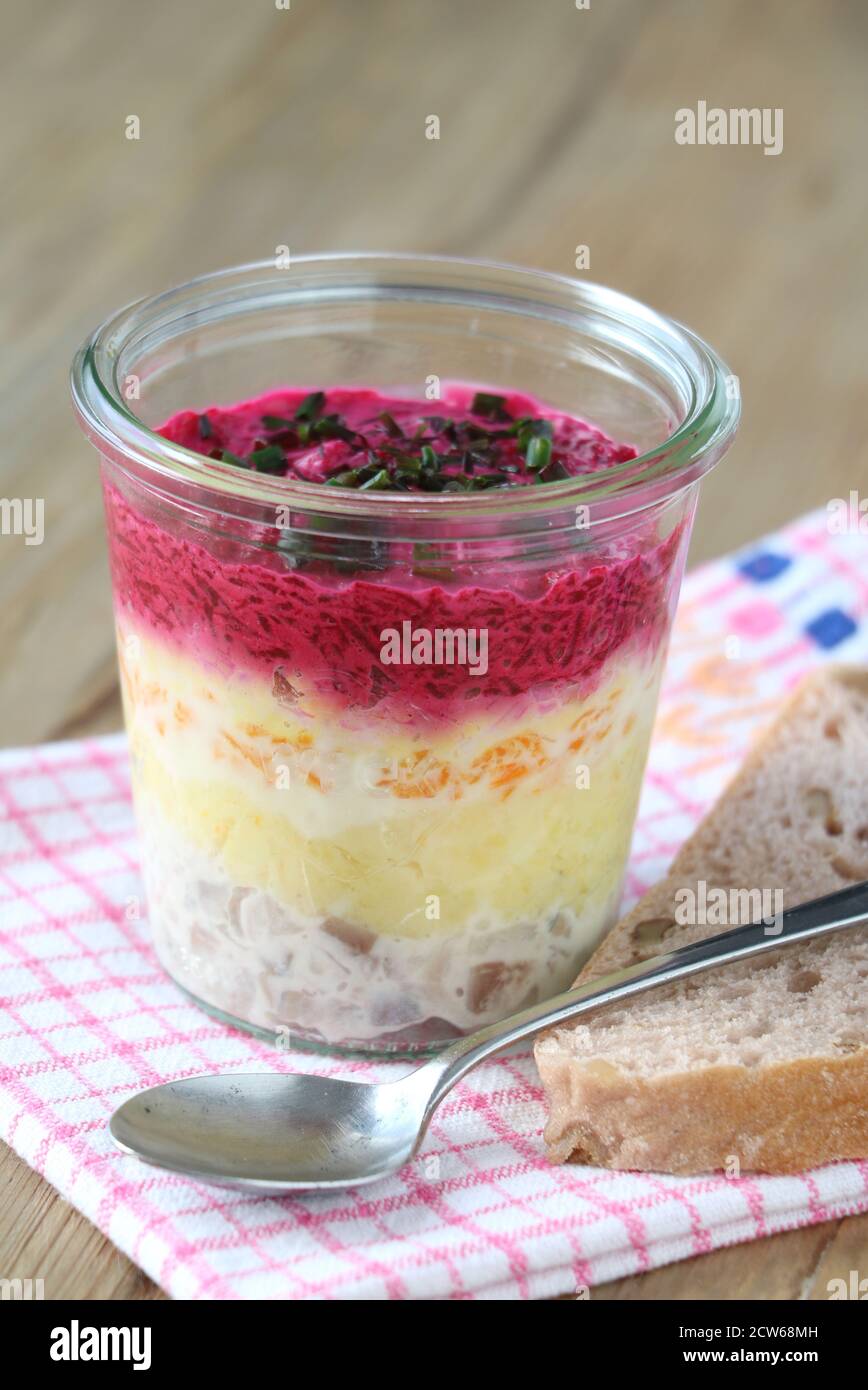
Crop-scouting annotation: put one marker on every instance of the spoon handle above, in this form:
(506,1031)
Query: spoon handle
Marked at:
(847,908)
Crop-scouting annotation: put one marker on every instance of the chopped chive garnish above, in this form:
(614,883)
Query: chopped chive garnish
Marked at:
(205,430)
(555,472)
(270,459)
(405,463)
(379,482)
(393,429)
(311,406)
(434,453)
(539,452)
(490,406)
(529,429)
(277,422)
(332,427)
(440,424)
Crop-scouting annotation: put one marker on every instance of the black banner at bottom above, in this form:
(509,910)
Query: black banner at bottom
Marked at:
(67,1338)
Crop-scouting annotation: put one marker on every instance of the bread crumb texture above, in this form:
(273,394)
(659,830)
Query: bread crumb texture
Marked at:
(766,1062)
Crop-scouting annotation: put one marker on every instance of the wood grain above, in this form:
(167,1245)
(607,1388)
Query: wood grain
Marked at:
(261,127)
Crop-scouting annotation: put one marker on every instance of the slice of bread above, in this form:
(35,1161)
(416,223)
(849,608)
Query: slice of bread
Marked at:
(763,1064)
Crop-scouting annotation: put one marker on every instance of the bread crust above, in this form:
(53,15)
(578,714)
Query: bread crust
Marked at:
(789,1117)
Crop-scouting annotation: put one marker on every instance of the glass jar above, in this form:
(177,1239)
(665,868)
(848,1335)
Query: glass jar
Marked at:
(364,851)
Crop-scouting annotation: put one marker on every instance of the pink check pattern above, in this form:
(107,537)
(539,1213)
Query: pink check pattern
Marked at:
(87,1016)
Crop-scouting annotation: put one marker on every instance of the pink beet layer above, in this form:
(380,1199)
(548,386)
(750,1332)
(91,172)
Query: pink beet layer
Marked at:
(311,625)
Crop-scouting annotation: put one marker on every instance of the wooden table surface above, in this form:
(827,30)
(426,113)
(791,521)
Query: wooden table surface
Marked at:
(305,126)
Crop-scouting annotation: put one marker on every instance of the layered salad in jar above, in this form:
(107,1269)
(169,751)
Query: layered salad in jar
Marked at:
(385,797)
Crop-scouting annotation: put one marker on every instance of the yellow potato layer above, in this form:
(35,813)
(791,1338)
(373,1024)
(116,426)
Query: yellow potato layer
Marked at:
(497,822)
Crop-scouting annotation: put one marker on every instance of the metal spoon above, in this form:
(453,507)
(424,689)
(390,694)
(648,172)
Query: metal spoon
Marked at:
(283,1133)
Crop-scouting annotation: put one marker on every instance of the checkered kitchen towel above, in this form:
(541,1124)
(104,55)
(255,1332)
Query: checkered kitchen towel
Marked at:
(87,1016)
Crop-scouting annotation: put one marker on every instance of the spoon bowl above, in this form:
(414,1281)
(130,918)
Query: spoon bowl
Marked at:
(274,1132)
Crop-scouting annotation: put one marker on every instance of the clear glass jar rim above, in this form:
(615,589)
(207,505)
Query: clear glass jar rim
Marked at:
(621,489)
